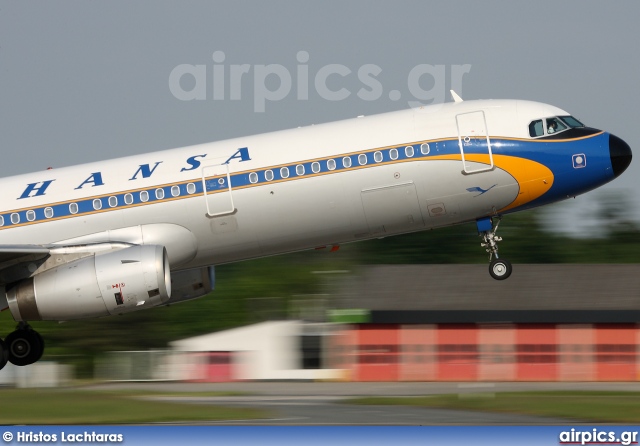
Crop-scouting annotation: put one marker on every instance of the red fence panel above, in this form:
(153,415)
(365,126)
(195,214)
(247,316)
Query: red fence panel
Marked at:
(378,353)
(497,356)
(576,360)
(457,353)
(536,353)
(418,353)
(615,352)
(467,352)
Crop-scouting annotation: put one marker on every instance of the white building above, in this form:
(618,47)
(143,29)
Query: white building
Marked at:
(281,350)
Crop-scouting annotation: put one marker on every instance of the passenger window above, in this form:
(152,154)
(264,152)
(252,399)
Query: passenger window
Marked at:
(409,151)
(536,129)
(268,175)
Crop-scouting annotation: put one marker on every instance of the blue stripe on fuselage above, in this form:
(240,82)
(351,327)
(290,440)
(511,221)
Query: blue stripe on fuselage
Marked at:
(568,181)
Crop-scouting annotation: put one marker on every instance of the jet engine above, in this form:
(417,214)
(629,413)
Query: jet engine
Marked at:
(116,282)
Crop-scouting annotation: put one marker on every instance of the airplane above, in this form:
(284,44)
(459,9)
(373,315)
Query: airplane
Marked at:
(112,237)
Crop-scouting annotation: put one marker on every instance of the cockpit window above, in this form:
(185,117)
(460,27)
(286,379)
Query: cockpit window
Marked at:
(536,128)
(555,125)
(571,121)
(550,126)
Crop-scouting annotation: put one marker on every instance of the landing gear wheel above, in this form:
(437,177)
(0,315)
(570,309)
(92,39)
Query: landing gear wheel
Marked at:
(4,354)
(500,269)
(24,347)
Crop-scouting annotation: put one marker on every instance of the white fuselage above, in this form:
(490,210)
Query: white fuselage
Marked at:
(275,214)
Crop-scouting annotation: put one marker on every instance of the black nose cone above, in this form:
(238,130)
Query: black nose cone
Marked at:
(620,153)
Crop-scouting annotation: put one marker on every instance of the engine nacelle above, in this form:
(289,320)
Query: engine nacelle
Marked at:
(116,282)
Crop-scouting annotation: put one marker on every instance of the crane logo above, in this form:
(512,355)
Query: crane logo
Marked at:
(479,189)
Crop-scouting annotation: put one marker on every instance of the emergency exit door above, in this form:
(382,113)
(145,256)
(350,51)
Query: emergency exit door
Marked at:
(474,142)
(216,187)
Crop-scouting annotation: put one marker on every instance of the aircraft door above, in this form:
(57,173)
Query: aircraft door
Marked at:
(474,142)
(216,187)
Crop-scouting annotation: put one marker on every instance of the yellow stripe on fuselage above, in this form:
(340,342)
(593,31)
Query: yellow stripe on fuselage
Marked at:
(534,179)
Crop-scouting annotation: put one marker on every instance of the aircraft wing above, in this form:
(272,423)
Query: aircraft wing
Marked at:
(12,252)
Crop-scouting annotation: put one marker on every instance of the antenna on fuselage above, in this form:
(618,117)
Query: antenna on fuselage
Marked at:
(455,96)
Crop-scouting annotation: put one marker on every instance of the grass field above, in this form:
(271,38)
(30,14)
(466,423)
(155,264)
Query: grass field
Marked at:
(70,406)
(603,407)
(77,406)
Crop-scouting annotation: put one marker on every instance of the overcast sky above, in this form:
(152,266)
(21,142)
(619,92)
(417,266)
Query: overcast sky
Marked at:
(84,81)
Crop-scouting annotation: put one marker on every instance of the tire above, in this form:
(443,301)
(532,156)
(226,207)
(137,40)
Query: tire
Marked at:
(500,269)
(4,354)
(24,347)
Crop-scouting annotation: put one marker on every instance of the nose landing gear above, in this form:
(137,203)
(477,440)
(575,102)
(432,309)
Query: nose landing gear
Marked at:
(499,269)
(22,347)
